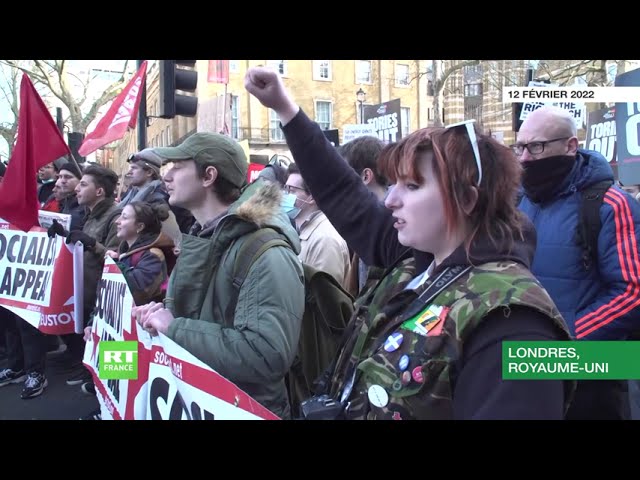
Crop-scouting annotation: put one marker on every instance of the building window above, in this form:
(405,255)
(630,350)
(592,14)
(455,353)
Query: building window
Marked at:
(405,120)
(430,90)
(363,71)
(323,114)
(322,70)
(169,139)
(279,66)
(234,66)
(402,74)
(473,90)
(235,118)
(275,132)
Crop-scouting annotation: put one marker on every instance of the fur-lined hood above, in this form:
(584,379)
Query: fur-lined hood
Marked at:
(259,205)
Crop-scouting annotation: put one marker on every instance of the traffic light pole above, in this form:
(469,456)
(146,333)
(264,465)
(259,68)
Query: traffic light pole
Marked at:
(142,114)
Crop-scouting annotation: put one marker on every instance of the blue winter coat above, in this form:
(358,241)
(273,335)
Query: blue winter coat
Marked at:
(604,302)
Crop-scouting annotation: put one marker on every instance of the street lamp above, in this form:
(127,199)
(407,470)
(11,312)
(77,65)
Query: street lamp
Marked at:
(362,96)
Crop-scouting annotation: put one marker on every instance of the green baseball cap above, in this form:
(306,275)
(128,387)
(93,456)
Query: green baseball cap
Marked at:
(214,149)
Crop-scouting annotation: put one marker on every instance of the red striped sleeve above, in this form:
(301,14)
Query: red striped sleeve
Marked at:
(627,250)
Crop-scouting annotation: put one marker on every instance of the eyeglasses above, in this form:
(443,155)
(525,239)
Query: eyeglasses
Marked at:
(288,188)
(534,148)
(474,142)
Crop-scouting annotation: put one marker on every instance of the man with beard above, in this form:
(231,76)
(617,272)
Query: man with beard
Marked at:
(599,301)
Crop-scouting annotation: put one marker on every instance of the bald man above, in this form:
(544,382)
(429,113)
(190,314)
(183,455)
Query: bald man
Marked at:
(599,301)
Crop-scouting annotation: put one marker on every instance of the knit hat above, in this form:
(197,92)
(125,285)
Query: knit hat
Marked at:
(72,168)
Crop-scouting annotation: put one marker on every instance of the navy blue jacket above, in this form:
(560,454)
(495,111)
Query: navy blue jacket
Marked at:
(604,302)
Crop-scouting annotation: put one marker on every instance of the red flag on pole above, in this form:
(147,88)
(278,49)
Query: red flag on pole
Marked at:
(39,142)
(218,71)
(122,115)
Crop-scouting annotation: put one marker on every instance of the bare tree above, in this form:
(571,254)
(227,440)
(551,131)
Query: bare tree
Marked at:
(10,91)
(438,77)
(593,73)
(53,78)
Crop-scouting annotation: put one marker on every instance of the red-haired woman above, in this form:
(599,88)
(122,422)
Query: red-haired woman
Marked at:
(426,342)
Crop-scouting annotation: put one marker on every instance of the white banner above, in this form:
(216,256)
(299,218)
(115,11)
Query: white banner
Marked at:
(546,97)
(171,383)
(37,278)
(46,219)
(351,132)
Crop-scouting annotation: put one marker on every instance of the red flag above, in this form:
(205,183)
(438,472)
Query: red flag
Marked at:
(122,114)
(218,71)
(39,142)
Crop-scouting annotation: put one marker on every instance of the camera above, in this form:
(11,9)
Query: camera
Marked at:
(322,407)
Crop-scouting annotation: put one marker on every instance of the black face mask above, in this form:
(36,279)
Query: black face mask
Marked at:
(541,178)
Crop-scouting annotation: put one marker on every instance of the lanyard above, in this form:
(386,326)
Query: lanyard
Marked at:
(434,288)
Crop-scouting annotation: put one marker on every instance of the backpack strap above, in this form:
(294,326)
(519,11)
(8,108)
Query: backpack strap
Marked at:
(253,246)
(589,224)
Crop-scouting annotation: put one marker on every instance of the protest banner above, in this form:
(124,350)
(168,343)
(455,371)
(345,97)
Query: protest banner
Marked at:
(351,132)
(181,387)
(45,219)
(37,279)
(140,377)
(628,131)
(253,171)
(385,119)
(577,109)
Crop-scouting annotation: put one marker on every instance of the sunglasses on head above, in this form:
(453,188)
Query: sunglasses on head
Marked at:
(133,158)
(471,132)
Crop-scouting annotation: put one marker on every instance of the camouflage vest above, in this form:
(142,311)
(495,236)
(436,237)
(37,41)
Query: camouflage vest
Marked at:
(420,385)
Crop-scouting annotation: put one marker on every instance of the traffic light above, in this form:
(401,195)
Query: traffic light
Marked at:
(74,140)
(178,76)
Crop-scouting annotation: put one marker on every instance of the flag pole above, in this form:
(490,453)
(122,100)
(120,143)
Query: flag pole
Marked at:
(142,113)
(73,159)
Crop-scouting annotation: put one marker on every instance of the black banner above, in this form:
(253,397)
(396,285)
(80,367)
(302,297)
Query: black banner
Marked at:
(386,120)
(601,135)
(628,131)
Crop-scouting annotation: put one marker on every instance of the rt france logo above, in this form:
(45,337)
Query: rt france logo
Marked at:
(118,360)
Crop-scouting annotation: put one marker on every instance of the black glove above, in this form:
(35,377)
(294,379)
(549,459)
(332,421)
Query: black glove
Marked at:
(56,229)
(80,236)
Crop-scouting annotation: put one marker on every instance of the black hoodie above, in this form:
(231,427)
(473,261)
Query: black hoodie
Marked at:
(367,226)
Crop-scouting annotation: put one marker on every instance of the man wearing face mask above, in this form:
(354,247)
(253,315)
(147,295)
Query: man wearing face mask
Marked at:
(597,303)
(322,247)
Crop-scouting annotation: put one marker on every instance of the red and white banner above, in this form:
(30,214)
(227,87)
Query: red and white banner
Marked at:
(122,115)
(37,279)
(172,384)
(218,71)
(254,171)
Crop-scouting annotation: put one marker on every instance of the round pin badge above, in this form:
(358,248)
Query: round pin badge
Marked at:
(403,363)
(406,377)
(393,342)
(417,375)
(378,396)
(397,385)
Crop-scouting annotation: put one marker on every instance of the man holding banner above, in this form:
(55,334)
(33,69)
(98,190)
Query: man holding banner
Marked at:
(96,192)
(247,333)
